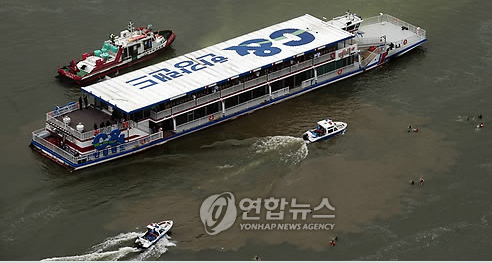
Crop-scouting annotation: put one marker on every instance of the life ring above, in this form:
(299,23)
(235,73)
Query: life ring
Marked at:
(211,117)
(96,132)
(339,72)
(125,124)
(404,42)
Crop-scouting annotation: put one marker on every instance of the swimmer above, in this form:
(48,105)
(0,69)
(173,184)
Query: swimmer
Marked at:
(480,125)
(480,116)
(421,180)
(332,243)
(412,182)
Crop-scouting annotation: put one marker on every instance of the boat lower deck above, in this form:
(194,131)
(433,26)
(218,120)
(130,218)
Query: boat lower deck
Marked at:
(90,117)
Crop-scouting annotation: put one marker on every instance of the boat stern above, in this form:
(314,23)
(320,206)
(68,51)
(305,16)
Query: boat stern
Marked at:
(65,73)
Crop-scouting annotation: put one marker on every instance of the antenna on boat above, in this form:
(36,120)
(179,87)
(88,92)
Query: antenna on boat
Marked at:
(130,26)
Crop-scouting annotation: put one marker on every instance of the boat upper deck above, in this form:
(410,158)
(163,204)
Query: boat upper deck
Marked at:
(205,68)
(392,28)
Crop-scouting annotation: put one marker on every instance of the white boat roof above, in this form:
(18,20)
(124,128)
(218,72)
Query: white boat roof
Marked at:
(326,123)
(174,78)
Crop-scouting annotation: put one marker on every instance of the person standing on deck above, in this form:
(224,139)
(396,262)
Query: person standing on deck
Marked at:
(86,102)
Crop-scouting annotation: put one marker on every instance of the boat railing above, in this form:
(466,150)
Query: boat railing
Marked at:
(52,147)
(198,122)
(232,89)
(248,104)
(183,106)
(279,73)
(306,83)
(255,81)
(391,19)
(324,58)
(417,30)
(370,41)
(208,98)
(109,151)
(88,134)
(280,93)
(59,111)
(368,59)
(372,20)
(160,114)
(301,65)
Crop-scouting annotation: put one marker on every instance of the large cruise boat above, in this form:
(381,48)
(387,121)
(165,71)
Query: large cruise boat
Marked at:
(162,102)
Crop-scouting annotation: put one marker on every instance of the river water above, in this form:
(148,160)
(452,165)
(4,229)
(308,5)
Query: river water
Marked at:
(47,212)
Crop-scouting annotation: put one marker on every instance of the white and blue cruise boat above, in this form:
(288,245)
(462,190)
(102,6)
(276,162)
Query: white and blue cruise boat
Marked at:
(326,129)
(151,106)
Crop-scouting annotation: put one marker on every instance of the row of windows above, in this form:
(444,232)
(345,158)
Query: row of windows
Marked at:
(199,113)
(243,97)
(335,65)
(246,96)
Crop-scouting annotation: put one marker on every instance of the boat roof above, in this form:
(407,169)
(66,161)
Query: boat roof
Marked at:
(177,77)
(344,21)
(326,123)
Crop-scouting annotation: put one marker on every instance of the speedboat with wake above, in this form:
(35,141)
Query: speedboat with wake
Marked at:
(326,128)
(155,231)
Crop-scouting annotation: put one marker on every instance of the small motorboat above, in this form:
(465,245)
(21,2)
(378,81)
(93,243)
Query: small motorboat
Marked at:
(155,231)
(326,129)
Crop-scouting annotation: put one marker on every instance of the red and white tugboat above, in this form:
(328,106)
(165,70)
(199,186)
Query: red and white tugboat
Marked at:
(132,46)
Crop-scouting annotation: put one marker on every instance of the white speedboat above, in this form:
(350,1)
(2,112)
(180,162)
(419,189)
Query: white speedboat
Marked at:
(326,129)
(155,231)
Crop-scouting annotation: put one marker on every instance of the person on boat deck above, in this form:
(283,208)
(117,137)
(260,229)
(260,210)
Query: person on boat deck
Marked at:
(86,102)
(80,103)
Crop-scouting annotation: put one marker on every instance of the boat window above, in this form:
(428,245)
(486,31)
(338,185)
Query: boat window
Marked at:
(190,116)
(335,129)
(213,108)
(147,44)
(231,102)
(200,112)
(125,53)
(246,96)
(182,118)
(330,130)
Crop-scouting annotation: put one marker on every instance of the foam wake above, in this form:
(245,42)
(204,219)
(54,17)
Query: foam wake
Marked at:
(291,150)
(119,248)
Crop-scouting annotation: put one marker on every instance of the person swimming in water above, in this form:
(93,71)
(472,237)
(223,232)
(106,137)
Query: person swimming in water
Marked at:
(421,180)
